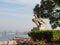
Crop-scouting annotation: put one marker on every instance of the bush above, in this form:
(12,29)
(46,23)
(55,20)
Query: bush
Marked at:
(31,43)
(36,34)
(56,35)
(46,35)
(24,43)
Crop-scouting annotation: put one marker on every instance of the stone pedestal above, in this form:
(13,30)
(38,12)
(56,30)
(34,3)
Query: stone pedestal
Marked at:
(35,28)
(39,28)
(42,28)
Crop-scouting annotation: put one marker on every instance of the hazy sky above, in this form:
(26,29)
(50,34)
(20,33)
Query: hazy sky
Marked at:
(16,15)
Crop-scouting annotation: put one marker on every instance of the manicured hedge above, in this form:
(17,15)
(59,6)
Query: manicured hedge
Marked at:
(31,43)
(25,43)
(50,35)
(56,35)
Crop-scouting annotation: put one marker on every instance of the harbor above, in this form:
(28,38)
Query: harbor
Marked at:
(11,38)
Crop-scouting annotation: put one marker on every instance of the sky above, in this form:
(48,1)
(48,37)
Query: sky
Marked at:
(17,15)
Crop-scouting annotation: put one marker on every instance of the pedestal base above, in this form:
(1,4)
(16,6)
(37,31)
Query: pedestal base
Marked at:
(42,28)
(39,28)
(35,28)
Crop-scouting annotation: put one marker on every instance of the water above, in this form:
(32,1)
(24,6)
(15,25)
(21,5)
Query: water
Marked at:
(7,36)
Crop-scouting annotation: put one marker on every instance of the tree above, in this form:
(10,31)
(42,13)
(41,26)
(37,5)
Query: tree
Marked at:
(57,2)
(48,9)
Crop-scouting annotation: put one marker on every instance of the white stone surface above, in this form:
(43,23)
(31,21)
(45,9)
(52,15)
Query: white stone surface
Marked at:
(42,28)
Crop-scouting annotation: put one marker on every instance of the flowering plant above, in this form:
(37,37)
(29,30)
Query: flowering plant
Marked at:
(44,39)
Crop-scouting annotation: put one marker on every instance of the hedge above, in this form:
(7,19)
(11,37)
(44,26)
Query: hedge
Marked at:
(31,43)
(50,35)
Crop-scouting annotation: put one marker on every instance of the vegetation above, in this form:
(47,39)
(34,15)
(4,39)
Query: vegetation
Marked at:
(29,43)
(48,35)
(57,2)
(48,9)
(37,44)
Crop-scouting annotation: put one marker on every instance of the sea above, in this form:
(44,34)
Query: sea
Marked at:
(7,36)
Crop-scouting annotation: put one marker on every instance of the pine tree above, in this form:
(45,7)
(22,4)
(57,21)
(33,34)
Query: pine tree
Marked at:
(47,9)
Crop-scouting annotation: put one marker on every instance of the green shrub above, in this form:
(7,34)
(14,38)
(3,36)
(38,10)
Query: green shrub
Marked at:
(31,43)
(50,35)
(56,35)
(36,34)
(24,43)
